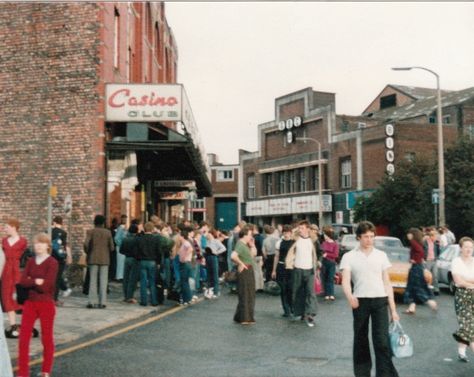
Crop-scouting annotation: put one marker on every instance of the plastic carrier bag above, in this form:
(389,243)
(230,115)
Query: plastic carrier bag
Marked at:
(400,342)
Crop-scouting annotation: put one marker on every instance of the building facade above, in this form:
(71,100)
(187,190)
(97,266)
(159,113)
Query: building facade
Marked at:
(59,64)
(309,143)
(222,209)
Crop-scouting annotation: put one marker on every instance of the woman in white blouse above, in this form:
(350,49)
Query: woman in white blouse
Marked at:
(462,269)
(5,364)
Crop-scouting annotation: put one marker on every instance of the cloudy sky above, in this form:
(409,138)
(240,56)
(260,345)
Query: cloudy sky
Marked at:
(235,58)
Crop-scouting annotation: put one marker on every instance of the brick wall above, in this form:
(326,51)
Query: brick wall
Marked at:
(51,120)
(402,99)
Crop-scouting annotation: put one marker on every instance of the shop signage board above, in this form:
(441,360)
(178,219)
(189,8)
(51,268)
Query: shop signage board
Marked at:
(180,195)
(143,102)
(288,206)
(175,183)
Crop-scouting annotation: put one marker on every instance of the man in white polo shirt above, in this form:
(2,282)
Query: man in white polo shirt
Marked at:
(367,268)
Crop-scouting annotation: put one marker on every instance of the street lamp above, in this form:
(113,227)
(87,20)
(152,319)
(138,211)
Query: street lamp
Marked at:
(320,187)
(442,212)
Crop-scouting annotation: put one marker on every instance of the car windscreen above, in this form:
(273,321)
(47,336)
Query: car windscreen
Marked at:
(400,255)
(387,242)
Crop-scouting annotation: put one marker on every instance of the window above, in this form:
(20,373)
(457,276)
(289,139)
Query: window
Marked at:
(470,131)
(225,175)
(268,184)
(198,203)
(446,119)
(251,186)
(130,65)
(388,101)
(432,119)
(346,170)
(292,186)
(315,176)
(410,156)
(303,182)
(116,37)
(282,182)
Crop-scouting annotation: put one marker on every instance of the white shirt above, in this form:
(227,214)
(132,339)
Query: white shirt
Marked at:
(304,253)
(366,271)
(464,270)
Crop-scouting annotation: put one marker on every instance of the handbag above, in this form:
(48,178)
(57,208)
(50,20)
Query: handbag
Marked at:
(230,276)
(400,342)
(318,287)
(21,294)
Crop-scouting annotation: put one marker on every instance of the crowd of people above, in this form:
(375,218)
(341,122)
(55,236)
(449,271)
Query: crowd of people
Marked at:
(154,261)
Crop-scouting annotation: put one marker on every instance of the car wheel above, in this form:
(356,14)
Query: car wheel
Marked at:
(452,286)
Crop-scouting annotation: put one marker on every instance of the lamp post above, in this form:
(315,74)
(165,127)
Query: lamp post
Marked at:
(442,212)
(320,187)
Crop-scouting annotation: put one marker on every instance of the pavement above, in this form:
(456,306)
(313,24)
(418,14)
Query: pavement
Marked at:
(74,321)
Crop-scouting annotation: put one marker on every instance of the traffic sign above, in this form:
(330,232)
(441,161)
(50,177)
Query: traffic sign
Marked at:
(435,196)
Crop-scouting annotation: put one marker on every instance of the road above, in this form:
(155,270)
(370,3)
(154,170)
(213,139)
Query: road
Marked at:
(202,340)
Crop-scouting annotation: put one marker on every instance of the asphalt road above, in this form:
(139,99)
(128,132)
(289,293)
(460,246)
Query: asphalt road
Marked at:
(202,340)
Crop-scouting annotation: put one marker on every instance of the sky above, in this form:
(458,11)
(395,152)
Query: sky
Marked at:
(235,58)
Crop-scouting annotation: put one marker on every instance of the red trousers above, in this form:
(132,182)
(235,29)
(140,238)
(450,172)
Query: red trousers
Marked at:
(32,310)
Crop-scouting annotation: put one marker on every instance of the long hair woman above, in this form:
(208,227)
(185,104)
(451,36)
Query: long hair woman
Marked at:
(39,277)
(417,290)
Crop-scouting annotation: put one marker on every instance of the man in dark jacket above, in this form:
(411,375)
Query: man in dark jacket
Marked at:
(129,248)
(98,246)
(149,255)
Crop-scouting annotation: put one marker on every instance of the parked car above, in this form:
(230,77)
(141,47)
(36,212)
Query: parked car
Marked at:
(399,257)
(347,243)
(444,266)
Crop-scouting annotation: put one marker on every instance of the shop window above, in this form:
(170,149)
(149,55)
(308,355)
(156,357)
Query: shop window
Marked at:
(225,175)
(346,173)
(251,186)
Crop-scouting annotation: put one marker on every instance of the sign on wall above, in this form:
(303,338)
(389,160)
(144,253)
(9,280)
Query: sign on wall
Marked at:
(288,206)
(143,102)
(389,144)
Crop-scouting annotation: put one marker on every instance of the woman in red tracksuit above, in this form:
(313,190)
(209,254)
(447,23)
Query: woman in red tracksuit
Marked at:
(40,277)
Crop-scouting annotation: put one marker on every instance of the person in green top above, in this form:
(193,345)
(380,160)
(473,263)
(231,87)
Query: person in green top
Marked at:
(243,256)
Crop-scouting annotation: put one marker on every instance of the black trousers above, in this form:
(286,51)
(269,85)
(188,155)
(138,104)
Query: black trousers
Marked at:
(269,267)
(284,281)
(375,310)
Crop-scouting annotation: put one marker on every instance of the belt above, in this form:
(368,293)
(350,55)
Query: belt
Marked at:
(281,262)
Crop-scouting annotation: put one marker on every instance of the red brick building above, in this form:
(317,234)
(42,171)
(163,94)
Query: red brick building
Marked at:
(222,208)
(57,61)
(281,179)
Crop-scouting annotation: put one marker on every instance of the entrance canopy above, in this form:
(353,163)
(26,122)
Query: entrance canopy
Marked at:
(156,122)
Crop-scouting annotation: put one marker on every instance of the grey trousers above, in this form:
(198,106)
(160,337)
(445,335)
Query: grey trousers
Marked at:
(303,296)
(101,273)
(433,268)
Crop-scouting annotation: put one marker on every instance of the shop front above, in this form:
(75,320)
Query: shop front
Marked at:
(155,160)
(280,211)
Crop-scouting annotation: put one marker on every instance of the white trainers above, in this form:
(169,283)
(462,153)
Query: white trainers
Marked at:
(67,292)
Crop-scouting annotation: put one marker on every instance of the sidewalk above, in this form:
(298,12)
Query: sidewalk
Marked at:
(74,321)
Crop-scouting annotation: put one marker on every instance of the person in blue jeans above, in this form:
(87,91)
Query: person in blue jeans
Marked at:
(185,255)
(330,250)
(149,253)
(214,248)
